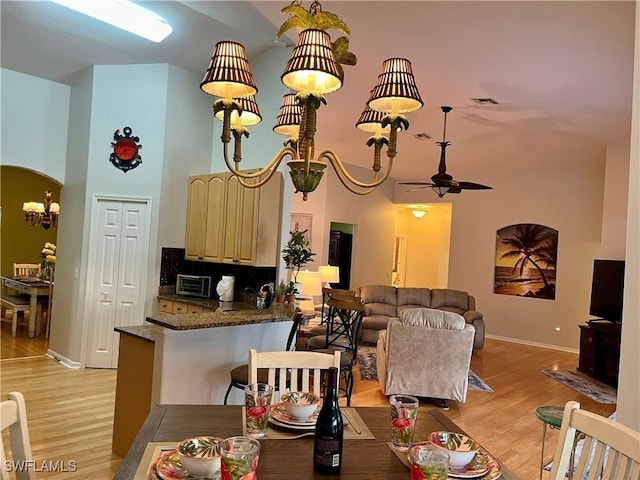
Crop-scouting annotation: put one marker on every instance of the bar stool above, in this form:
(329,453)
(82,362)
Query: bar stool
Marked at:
(550,415)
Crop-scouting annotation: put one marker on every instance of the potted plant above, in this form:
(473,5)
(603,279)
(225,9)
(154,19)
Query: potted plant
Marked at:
(281,291)
(297,253)
(290,292)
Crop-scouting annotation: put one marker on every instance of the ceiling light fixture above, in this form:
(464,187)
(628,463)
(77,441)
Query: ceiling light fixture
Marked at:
(44,214)
(418,213)
(124,15)
(313,70)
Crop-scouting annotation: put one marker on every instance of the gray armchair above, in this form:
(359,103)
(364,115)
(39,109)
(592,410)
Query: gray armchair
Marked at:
(425,353)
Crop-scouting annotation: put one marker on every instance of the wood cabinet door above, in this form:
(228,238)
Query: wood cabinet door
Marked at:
(215,213)
(232,219)
(247,226)
(196,217)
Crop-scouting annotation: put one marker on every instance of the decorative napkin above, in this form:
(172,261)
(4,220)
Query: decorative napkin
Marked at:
(149,457)
(353,424)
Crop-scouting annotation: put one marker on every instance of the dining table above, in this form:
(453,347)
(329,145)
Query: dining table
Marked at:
(366,455)
(35,287)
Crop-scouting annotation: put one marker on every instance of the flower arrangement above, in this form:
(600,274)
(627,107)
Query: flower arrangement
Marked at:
(48,255)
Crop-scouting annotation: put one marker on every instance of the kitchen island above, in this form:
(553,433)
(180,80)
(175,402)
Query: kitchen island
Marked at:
(186,358)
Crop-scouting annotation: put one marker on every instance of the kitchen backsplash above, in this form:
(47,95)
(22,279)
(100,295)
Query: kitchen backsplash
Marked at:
(173,262)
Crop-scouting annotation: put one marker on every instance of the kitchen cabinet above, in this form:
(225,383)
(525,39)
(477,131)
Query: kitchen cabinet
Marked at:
(205,218)
(175,308)
(228,223)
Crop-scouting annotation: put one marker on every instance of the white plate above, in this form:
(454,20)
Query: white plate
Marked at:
(291,426)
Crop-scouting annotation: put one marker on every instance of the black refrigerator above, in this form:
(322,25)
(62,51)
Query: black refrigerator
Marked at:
(340,255)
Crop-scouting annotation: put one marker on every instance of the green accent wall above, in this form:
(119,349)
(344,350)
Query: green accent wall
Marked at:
(19,242)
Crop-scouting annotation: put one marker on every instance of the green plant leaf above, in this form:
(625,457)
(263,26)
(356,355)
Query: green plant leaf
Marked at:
(341,52)
(292,22)
(327,20)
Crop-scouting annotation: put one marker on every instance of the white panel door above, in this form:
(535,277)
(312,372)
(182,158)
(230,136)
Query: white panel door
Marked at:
(115,289)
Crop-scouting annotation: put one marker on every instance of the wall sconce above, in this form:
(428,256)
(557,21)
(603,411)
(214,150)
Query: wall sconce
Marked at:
(43,214)
(419,213)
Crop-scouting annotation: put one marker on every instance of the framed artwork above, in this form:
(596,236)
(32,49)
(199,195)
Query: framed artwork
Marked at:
(302,222)
(526,259)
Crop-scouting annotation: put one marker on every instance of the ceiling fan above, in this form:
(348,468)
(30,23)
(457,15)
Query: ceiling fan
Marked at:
(442,182)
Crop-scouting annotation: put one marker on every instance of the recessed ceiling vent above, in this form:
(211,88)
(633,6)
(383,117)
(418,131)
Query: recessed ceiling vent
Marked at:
(423,136)
(485,101)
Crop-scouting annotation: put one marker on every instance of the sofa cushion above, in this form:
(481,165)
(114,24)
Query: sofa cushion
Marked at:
(448,299)
(375,322)
(379,300)
(413,298)
(428,317)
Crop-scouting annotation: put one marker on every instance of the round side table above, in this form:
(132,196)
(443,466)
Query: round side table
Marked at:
(550,415)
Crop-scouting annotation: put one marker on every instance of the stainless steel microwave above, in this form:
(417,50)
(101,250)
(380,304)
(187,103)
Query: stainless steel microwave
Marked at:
(193,286)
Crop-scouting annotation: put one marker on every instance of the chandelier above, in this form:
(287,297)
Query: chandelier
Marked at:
(313,70)
(44,214)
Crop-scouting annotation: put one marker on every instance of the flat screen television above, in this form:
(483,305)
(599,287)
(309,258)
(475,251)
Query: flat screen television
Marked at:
(607,289)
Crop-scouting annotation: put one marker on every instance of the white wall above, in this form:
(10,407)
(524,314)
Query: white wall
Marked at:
(34,115)
(614,209)
(629,382)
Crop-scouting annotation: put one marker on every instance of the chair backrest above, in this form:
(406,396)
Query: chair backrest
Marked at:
(301,368)
(26,269)
(13,415)
(620,460)
(346,315)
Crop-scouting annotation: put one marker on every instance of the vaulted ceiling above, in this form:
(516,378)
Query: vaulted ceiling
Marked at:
(560,71)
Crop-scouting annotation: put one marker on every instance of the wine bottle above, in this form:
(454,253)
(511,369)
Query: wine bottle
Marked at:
(327,444)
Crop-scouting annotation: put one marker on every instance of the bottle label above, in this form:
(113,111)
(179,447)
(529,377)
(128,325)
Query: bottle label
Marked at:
(327,453)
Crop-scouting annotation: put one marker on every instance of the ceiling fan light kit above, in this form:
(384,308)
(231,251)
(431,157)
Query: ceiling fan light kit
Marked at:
(314,69)
(443,183)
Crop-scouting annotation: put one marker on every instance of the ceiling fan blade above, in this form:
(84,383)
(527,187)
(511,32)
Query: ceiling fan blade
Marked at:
(473,186)
(415,183)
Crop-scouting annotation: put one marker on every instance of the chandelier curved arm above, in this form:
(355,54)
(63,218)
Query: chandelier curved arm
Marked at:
(351,182)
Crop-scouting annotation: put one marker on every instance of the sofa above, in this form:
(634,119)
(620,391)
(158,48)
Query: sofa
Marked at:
(384,302)
(425,353)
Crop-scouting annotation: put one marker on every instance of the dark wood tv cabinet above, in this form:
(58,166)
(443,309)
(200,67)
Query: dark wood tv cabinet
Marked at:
(600,351)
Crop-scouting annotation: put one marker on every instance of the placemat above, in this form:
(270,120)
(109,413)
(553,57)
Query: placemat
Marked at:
(353,425)
(151,454)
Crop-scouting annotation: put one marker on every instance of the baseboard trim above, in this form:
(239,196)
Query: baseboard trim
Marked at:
(533,344)
(63,360)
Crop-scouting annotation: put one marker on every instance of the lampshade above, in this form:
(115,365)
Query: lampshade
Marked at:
(440,190)
(419,213)
(250,112)
(396,90)
(228,75)
(329,273)
(369,121)
(288,119)
(312,67)
(310,283)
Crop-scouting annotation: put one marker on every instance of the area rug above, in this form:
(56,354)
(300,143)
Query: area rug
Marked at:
(367,365)
(584,385)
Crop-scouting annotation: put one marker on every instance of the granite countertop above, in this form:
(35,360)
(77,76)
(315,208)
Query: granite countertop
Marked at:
(145,332)
(226,315)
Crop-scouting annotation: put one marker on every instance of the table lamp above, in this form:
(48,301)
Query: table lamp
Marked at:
(329,274)
(311,287)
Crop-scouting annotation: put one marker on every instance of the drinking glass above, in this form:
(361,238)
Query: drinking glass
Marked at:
(239,458)
(427,462)
(257,401)
(404,410)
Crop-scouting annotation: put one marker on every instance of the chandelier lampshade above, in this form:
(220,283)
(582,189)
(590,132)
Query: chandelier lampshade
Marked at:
(228,75)
(396,90)
(312,67)
(250,112)
(371,121)
(288,119)
(43,214)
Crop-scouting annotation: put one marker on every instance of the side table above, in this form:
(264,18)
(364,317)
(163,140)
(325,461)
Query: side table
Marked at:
(550,415)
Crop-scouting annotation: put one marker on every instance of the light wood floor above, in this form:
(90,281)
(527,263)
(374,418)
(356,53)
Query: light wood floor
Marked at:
(70,411)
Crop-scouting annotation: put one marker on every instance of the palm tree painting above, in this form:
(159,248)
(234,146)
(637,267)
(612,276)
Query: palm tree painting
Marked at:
(526,258)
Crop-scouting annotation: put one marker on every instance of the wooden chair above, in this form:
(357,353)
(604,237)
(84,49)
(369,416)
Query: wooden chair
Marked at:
(610,450)
(26,269)
(13,415)
(240,374)
(298,371)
